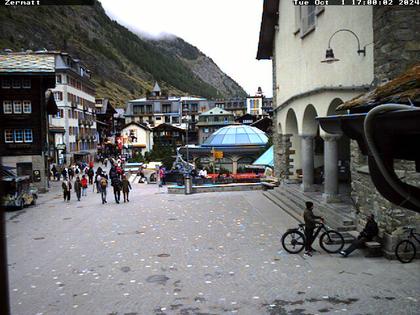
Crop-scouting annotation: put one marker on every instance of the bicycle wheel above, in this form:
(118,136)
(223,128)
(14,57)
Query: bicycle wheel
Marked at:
(331,241)
(293,241)
(405,251)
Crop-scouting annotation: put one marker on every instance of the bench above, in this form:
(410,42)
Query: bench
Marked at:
(374,249)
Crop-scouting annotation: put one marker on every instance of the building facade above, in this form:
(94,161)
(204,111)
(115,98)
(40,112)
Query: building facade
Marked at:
(137,139)
(304,90)
(26,102)
(156,109)
(212,120)
(75,97)
(235,105)
(368,45)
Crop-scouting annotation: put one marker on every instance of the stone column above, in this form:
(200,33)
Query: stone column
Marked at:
(307,161)
(234,165)
(331,168)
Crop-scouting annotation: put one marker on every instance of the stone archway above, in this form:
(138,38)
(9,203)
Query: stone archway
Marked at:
(309,140)
(293,161)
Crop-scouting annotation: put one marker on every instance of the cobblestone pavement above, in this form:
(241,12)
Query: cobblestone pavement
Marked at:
(216,253)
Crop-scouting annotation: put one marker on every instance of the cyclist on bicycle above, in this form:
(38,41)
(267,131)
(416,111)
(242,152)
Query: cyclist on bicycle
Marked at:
(310,223)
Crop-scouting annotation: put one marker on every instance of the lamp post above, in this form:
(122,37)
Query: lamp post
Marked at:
(329,54)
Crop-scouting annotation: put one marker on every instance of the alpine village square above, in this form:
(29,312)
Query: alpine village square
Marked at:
(139,178)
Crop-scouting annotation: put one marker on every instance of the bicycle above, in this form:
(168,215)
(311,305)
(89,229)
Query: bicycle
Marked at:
(331,241)
(405,251)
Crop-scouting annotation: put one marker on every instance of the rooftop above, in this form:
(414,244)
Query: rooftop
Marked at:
(236,135)
(27,63)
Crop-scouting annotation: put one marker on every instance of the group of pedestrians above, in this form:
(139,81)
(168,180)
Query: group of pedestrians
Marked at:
(99,180)
(72,171)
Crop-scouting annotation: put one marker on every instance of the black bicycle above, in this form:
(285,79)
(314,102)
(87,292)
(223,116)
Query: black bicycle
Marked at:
(406,249)
(331,241)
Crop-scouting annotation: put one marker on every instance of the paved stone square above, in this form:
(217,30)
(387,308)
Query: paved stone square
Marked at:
(214,253)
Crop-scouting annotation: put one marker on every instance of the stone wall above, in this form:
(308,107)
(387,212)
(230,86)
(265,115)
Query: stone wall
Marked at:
(281,153)
(397,43)
(391,218)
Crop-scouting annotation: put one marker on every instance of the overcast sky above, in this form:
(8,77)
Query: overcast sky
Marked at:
(225,30)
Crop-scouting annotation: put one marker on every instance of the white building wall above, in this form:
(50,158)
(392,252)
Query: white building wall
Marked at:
(298,60)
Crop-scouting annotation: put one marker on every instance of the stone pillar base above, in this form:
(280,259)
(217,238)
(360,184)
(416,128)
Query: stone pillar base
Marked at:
(307,188)
(331,198)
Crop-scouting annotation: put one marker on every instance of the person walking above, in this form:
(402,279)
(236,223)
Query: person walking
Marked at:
(126,187)
(64,173)
(98,182)
(66,185)
(78,188)
(70,172)
(368,233)
(84,183)
(162,175)
(117,185)
(54,172)
(103,182)
(310,223)
(91,174)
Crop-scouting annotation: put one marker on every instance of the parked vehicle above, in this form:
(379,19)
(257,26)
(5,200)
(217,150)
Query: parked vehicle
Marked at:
(18,192)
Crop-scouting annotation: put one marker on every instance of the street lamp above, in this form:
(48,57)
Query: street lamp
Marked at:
(185,110)
(329,54)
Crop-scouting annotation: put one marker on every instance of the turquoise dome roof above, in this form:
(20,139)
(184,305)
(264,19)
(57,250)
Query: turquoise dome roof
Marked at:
(236,135)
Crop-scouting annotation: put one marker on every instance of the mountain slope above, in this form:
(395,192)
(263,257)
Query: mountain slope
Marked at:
(124,65)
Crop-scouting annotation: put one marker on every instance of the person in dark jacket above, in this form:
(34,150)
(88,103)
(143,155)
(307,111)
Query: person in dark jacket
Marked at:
(66,185)
(126,187)
(310,223)
(117,185)
(78,187)
(91,174)
(64,172)
(368,233)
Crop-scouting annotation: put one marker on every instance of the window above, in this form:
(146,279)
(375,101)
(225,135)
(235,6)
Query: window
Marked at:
(158,118)
(18,135)
(17,107)
(58,78)
(16,84)
(28,135)
(206,130)
(305,18)
(7,107)
(58,96)
(26,84)
(5,84)
(27,107)
(8,136)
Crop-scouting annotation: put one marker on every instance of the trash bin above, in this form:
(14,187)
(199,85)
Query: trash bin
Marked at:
(188,184)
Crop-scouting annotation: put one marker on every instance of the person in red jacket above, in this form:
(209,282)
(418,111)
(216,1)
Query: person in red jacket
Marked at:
(84,183)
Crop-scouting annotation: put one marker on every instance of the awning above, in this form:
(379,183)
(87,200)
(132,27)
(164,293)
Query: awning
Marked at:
(266,158)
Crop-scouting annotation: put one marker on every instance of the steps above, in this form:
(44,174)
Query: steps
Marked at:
(290,199)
